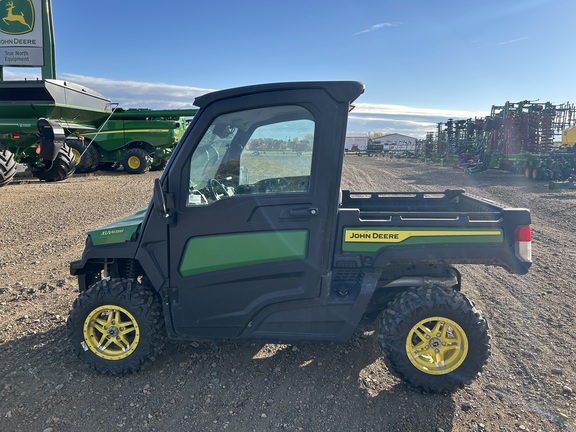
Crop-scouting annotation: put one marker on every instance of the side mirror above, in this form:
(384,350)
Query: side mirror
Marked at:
(159,199)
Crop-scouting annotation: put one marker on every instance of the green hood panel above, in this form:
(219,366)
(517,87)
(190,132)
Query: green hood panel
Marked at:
(119,231)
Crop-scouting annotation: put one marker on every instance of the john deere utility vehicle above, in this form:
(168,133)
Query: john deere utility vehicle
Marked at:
(237,246)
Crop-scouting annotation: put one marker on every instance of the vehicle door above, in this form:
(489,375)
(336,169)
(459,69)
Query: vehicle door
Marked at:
(254,209)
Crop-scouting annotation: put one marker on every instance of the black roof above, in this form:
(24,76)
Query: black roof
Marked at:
(341,91)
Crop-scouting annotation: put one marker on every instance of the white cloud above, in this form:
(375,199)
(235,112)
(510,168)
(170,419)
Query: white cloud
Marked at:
(378,27)
(129,94)
(384,109)
(141,94)
(513,40)
(412,121)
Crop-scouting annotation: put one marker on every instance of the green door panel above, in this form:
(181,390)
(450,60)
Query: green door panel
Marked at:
(220,252)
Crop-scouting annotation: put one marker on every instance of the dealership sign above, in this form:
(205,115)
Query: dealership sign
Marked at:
(21,33)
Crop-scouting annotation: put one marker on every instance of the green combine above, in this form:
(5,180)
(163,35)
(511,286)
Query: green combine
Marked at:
(139,140)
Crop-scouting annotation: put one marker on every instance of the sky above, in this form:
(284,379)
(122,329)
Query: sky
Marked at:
(422,62)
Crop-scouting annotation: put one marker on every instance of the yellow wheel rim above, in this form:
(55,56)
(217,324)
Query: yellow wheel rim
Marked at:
(77,156)
(436,346)
(111,332)
(134,162)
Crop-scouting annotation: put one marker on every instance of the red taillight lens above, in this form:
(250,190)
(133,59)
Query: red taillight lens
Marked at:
(523,243)
(523,234)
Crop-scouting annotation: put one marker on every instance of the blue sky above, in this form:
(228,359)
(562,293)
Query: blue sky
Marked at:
(421,61)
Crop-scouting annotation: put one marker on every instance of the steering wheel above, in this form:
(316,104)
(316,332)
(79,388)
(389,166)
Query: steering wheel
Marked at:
(215,185)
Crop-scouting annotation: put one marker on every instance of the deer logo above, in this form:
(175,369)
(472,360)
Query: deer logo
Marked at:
(19,22)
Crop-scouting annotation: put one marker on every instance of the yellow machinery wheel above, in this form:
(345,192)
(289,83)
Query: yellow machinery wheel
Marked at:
(434,339)
(116,325)
(136,161)
(436,345)
(111,332)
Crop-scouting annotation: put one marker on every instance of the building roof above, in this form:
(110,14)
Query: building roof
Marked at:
(394,134)
(356,135)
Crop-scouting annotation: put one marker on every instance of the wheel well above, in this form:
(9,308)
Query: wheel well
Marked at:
(141,144)
(120,268)
(398,278)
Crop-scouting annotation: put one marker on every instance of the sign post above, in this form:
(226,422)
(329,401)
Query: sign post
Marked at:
(27,36)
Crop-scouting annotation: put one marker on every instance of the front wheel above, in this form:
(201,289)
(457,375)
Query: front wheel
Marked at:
(434,339)
(136,161)
(116,326)
(7,167)
(158,165)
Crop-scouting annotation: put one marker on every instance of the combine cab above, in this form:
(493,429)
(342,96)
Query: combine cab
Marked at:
(36,117)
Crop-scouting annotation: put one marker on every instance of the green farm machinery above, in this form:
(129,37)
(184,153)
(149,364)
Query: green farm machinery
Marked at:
(35,118)
(139,140)
(518,137)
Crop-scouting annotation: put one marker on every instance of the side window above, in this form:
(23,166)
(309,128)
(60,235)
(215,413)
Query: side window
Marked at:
(260,151)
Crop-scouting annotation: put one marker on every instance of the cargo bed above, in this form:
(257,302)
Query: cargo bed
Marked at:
(449,227)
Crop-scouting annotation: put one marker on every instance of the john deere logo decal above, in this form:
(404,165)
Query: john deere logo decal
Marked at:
(17,17)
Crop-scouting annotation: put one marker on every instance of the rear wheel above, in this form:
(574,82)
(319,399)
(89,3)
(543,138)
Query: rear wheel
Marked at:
(7,167)
(116,326)
(85,155)
(59,169)
(158,165)
(434,339)
(136,161)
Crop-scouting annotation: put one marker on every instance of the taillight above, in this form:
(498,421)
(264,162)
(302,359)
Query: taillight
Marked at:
(523,243)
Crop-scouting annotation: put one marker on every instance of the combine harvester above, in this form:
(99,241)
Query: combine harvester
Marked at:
(139,140)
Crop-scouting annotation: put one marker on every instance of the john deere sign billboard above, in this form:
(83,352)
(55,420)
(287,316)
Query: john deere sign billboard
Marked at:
(21,33)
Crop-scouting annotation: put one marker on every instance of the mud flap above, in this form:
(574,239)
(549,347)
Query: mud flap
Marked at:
(51,139)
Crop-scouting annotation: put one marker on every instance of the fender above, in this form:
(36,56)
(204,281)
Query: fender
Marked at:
(51,139)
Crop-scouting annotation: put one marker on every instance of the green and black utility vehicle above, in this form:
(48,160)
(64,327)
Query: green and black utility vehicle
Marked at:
(236,245)
(137,139)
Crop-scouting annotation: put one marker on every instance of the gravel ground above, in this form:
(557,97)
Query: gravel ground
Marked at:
(527,384)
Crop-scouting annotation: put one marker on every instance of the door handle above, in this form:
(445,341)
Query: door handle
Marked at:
(304,212)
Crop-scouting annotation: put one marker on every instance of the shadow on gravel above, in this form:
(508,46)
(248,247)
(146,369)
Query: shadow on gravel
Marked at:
(213,386)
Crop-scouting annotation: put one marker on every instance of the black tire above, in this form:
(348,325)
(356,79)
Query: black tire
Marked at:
(92,323)
(7,167)
(136,161)
(85,155)
(60,169)
(461,339)
(158,165)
